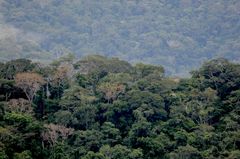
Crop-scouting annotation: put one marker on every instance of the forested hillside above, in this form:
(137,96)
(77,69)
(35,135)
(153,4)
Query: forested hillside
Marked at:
(105,108)
(177,34)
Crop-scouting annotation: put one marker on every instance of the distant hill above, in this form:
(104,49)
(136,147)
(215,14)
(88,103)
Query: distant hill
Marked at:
(178,34)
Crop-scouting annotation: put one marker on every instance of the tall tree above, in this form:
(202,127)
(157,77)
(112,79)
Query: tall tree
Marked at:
(30,83)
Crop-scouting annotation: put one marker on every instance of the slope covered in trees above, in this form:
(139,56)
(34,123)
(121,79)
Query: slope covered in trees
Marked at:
(178,34)
(105,108)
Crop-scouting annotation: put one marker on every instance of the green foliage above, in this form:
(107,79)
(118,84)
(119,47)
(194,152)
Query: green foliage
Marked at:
(111,134)
(220,75)
(89,140)
(19,118)
(92,155)
(63,118)
(59,152)
(11,68)
(3,154)
(150,71)
(122,112)
(23,155)
(120,152)
(185,152)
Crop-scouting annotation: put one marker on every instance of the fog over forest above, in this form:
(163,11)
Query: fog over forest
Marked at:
(177,34)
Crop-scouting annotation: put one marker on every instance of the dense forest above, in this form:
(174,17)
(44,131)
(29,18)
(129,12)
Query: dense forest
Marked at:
(106,108)
(177,34)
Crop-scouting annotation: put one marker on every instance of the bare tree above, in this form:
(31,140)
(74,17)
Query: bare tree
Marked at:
(30,83)
(20,105)
(54,132)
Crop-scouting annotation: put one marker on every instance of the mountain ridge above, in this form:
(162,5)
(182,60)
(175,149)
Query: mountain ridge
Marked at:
(178,35)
